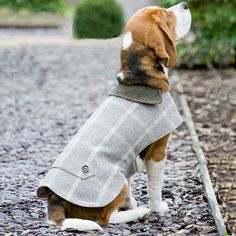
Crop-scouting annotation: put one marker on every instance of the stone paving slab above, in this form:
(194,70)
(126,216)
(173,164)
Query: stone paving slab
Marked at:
(46,94)
(19,42)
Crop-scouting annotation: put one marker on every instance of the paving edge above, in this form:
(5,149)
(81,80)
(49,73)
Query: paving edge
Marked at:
(210,193)
(29,40)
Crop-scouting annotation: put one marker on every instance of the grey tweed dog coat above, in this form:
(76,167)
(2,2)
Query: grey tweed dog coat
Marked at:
(93,168)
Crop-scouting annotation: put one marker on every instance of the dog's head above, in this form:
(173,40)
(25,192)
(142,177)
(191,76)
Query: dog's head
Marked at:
(159,29)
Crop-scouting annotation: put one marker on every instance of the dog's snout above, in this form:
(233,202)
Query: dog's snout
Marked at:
(185,5)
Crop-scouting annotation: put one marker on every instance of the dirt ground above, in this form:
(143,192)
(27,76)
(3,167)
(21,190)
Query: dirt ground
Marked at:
(212,98)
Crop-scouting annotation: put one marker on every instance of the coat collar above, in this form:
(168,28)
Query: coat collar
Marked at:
(136,93)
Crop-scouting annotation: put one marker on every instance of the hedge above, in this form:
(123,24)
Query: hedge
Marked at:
(98,19)
(56,6)
(214,26)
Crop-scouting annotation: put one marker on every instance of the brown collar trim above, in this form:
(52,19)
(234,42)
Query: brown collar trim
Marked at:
(136,93)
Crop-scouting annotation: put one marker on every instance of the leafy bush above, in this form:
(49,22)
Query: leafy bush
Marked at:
(56,6)
(98,19)
(214,26)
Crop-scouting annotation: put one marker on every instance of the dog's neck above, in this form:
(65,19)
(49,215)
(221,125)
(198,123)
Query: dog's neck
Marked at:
(141,66)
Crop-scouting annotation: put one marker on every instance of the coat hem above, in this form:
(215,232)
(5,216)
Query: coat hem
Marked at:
(54,172)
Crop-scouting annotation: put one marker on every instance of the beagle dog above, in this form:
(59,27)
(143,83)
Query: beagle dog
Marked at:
(148,49)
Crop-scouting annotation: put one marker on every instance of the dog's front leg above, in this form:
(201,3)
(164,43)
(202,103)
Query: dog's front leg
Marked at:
(155,171)
(129,202)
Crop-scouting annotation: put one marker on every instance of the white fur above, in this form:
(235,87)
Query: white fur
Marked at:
(80,225)
(139,163)
(129,215)
(183,20)
(165,71)
(121,75)
(129,202)
(50,222)
(155,172)
(127,41)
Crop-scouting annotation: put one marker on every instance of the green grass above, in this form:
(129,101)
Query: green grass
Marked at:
(26,18)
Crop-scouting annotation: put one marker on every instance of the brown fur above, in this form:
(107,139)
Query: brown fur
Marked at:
(60,209)
(140,66)
(155,28)
(157,150)
(153,34)
(153,43)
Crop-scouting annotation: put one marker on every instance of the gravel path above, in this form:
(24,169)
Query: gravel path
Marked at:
(46,94)
(56,89)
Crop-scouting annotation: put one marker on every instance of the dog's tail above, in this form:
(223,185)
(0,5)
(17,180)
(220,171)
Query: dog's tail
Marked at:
(80,225)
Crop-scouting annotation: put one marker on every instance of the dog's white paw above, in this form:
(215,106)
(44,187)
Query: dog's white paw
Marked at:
(142,212)
(129,203)
(159,206)
(80,225)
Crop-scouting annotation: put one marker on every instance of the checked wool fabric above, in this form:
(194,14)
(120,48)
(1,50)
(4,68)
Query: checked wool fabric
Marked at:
(94,166)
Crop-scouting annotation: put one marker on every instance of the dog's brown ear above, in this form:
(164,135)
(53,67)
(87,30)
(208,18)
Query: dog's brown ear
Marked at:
(161,37)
